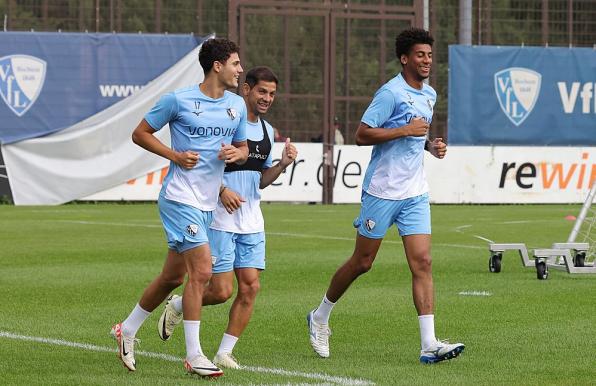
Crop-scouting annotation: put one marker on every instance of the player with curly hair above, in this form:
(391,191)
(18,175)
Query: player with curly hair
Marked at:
(395,191)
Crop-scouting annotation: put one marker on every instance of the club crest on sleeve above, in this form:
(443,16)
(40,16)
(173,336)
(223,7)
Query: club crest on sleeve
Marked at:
(369,224)
(192,229)
(232,113)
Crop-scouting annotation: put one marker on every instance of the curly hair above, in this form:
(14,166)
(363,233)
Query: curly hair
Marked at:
(262,73)
(408,38)
(216,50)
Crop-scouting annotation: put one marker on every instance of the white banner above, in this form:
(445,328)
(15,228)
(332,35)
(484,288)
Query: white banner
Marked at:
(466,175)
(97,153)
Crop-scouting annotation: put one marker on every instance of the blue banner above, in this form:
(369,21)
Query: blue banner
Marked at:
(49,81)
(522,96)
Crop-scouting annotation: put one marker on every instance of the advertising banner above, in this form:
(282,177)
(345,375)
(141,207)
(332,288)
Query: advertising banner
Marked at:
(466,175)
(50,81)
(96,153)
(530,96)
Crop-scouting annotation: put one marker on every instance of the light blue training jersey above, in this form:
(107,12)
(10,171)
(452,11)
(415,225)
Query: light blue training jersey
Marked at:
(248,217)
(396,168)
(201,124)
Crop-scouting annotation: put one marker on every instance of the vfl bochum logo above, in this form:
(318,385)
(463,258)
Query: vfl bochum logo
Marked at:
(21,80)
(517,90)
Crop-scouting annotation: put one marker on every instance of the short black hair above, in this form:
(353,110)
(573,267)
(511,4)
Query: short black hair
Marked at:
(214,50)
(261,73)
(408,38)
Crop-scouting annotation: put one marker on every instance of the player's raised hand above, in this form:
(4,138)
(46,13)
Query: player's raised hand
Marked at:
(230,154)
(438,148)
(418,127)
(187,159)
(230,199)
(289,154)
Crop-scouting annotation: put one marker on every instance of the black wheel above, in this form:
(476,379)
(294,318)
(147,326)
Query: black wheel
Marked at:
(580,259)
(541,270)
(494,263)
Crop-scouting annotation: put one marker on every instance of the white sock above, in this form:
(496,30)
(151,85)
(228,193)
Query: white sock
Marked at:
(131,325)
(227,344)
(321,314)
(191,336)
(427,331)
(177,304)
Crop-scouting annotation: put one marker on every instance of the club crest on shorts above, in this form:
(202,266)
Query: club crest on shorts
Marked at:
(232,113)
(21,80)
(517,90)
(369,224)
(192,229)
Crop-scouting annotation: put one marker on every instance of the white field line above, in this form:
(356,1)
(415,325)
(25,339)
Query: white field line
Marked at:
(171,358)
(483,238)
(299,235)
(526,221)
(463,246)
(316,376)
(121,224)
(475,293)
(460,229)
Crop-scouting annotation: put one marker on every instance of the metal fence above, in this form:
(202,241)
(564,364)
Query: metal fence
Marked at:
(363,55)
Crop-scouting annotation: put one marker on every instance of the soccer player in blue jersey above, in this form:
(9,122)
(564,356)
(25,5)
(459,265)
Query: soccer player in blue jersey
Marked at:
(395,191)
(208,131)
(238,237)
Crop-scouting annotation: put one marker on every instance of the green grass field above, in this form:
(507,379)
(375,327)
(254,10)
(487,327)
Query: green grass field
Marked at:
(68,273)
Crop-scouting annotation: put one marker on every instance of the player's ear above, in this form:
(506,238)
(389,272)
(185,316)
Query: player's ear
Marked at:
(217,66)
(245,89)
(403,59)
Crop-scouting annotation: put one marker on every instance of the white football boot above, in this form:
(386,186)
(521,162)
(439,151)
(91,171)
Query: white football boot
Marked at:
(169,319)
(126,347)
(319,336)
(202,366)
(440,351)
(226,360)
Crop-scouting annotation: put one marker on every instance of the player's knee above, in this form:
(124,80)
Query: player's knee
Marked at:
(171,282)
(249,290)
(222,293)
(363,264)
(199,277)
(423,264)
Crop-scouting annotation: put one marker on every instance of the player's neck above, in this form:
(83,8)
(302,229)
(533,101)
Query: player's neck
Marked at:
(252,117)
(412,81)
(212,87)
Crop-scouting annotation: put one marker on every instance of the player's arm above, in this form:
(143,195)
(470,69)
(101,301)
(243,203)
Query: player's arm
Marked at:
(436,147)
(230,199)
(288,155)
(236,153)
(366,135)
(380,110)
(143,136)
